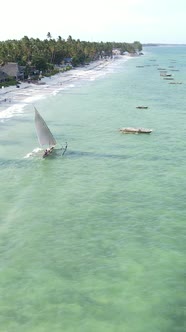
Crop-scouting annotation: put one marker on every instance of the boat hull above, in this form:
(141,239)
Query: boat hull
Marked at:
(142,107)
(135,130)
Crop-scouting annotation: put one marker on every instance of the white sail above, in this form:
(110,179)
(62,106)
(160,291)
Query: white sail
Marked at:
(44,134)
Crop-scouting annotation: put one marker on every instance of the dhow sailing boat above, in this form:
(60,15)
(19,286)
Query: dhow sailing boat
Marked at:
(45,137)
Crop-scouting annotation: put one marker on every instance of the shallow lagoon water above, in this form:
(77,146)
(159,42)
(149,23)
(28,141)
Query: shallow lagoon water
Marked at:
(95,240)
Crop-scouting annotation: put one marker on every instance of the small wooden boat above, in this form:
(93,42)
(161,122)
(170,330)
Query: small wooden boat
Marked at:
(142,107)
(165,74)
(168,78)
(131,130)
(175,83)
(45,137)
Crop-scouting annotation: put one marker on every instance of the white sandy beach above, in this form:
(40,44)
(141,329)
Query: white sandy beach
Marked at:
(13,100)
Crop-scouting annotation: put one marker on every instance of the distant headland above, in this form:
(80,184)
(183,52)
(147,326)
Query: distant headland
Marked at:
(162,44)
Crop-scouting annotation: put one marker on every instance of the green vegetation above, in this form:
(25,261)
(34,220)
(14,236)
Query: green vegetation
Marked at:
(45,55)
(10,81)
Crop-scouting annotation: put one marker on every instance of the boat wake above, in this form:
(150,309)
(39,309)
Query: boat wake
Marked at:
(37,152)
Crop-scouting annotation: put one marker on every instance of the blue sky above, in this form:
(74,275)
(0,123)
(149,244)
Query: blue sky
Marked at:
(158,21)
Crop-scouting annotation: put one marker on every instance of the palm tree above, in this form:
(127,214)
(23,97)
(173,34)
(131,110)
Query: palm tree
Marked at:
(49,35)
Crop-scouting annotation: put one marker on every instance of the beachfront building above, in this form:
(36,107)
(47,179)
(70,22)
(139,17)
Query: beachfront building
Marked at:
(116,51)
(12,70)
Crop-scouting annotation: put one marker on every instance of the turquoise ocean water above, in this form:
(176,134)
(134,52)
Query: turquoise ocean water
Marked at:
(95,240)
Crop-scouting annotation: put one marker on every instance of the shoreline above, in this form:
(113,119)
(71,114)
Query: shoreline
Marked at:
(13,100)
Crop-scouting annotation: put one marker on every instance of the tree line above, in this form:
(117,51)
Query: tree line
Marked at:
(45,54)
